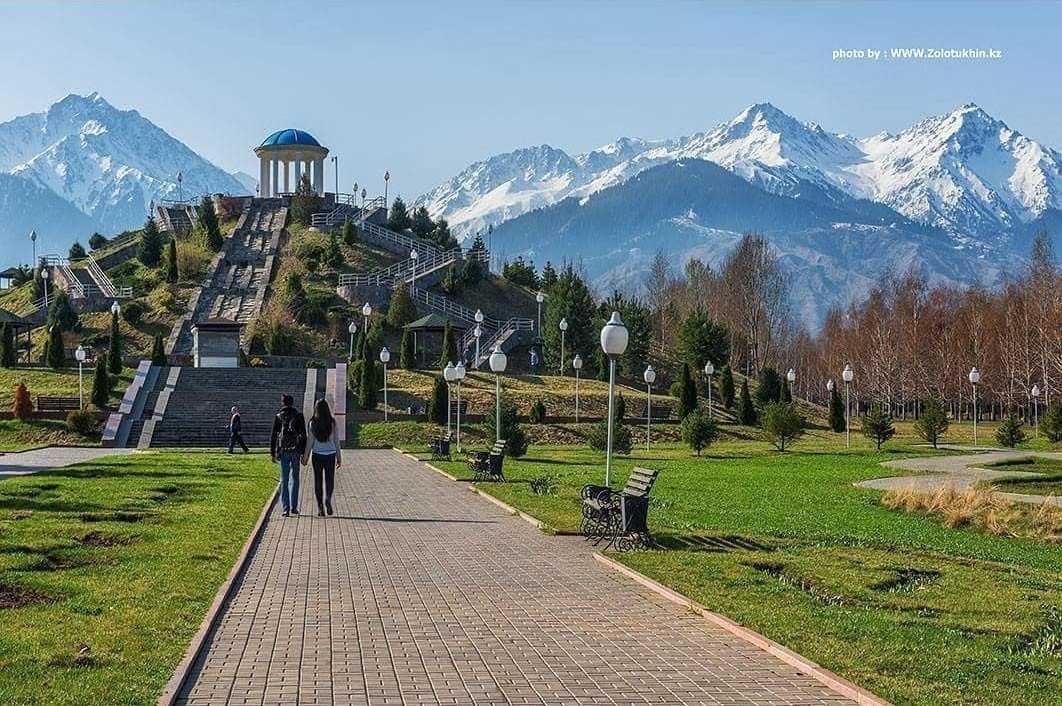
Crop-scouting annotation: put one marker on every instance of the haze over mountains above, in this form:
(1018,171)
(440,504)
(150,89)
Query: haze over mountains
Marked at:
(956,196)
(82,166)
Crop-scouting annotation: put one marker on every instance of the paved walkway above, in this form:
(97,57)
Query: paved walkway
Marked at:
(25,462)
(962,472)
(419,592)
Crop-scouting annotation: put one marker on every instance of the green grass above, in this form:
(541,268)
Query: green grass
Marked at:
(1049,484)
(120,559)
(914,611)
(34,433)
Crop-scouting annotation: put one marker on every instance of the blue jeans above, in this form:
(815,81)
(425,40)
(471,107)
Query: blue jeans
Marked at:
(289,479)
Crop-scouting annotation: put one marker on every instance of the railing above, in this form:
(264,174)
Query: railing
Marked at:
(33,307)
(104,282)
(74,286)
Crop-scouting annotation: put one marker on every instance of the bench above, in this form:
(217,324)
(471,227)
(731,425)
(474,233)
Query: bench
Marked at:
(487,465)
(660,411)
(440,447)
(47,403)
(622,518)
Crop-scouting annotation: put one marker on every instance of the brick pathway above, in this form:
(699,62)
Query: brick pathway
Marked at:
(419,592)
(23,463)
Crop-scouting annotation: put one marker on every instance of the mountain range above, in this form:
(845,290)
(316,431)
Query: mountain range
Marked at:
(956,196)
(83,165)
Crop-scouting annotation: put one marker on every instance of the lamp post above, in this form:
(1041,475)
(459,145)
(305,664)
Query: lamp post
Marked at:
(448,376)
(974,377)
(847,375)
(366,312)
(563,326)
(613,342)
(80,355)
(335,163)
(33,239)
(413,255)
(115,308)
(540,297)
(385,357)
(363,192)
(351,329)
(577,363)
(650,377)
(44,282)
(790,377)
(459,375)
(477,332)
(387,178)
(709,371)
(498,360)
(1035,392)
(354,196)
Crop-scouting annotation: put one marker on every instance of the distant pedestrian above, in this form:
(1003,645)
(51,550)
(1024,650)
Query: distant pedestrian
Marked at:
(323,452)
(235,430)
(287,443)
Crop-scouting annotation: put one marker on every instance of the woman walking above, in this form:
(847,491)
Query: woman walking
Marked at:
(323,454)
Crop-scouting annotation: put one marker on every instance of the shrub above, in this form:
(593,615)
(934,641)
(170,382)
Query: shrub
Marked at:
(688,398)
(538,412)
(257,362)
(163,299)
(543,485)
(619,409)
(192,261)
(407,358)
(597,438)
(1051,424)
(82,421)
(101,383)
(437,403)
(23,405)
(55,353)
(350,233)
(516,439)
(1010,432)
(675,390)
(933,423)
(133,312)
(8,354)
(877,425)
(746,410)
(699,430)
(401,310)
(173,273)
(209,220)
(782,425)
(726,388)
(836,420)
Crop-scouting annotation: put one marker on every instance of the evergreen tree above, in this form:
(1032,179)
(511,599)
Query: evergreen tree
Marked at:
(437,403)
(549,275)
(449,347)
(350,233)
(334,254)
(171,267)
(571,299)
(746,410)
(450,283)
(101,384)
(77,251)
(1051,424)
(367,384)
(23,405)
(422,225)
(305,201)
(114,351)
(637,318)
(61,312)
(877,425)
(726,388)
(442,236)
(934,421)
(208,218)
(514,436)
(688,400)
(1010,432)
(56,354)
(836,411)
(770,388)
(97,241)
(699,430)
(401,310)
(787,394)
(407,357)
(158,351)
(782,425)
(398,220)
(701,340)
(7,346)
(150,250)
(475,263)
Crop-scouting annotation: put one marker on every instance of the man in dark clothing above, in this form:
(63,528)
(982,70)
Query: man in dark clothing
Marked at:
(287,443)
(235,429)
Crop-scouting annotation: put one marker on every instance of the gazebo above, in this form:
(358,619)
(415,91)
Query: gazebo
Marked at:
(295,149)
(17,323)
(431,326)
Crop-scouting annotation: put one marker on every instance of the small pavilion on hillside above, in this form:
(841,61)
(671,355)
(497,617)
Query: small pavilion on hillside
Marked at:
(299,152)
(18,325)
(428,331)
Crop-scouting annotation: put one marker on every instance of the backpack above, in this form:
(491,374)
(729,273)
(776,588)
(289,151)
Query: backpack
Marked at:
(291,436)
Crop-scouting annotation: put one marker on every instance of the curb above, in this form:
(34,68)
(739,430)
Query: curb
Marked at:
(180,674)
(802,664)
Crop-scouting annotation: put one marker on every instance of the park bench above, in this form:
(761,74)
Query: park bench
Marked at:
(621,518)
(487,465)
(46,403)
(660,411)
(440,447)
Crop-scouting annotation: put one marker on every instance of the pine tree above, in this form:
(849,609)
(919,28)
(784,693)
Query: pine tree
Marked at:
(877,425)
(1010,432)
(398,220)
(515,438)
(305,201)
(746,410)
(787,394)
(933,423)
(769,389)
(401,310)
(158,351)
(367,384)
(422,224)
(407,357)
(334,254)
(114,351)
(449,347)
(437,404)
(549,275)
(726,387)
(55,352)
(782,425)
(150,251)
(836,411)
(1051,423)
(77,251)
(101,384)
(171,268)
(350,233)
(61,312)
(209,220)
(688,400)
(23,405)
(97,241)
(7,346)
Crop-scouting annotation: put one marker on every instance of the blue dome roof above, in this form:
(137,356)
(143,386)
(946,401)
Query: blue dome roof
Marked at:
(290,137)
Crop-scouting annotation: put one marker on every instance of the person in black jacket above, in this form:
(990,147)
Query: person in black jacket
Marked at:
(235,429)
(287,443)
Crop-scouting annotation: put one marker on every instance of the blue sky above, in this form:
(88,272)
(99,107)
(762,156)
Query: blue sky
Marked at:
(423,89)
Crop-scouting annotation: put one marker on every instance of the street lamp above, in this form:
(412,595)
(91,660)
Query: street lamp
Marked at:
(847,375)
(709,371)
(115,309)
(385,357)
(459,375)
(363,192)
(650,377)
(79,354)
(366,312)
(613,342)
(577,363)
(352,329)
(498,360)
(354,196)
(974,377)
(563,325)
(335,163)
(540,297)
(477,332)
(33,239)
(1035,392)
(387,178)
(790,377)
(448,375)
(44,282)
(413,255)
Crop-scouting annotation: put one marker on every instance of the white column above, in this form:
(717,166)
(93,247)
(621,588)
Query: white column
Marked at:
(263,177)
(320,176)
(298,174)
(287,167)
(276,174)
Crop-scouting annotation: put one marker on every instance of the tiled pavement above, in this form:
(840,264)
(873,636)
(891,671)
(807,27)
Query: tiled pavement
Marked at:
(419,592)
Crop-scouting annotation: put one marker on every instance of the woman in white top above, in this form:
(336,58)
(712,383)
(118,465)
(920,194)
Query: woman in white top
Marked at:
(324,453)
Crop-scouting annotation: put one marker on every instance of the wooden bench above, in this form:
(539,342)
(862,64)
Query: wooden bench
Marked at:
(660,411)
(622,518)
(47,403)
(440,447)
(487,465)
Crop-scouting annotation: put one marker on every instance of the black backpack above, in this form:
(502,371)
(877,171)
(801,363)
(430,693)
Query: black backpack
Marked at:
(291,436)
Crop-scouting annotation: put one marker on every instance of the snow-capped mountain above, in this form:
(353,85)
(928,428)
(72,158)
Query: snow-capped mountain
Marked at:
(106,163)
(965,172)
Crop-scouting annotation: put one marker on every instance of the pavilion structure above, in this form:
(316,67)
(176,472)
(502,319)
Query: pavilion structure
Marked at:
(284,157)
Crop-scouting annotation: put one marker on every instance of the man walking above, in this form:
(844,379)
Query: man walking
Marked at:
(235,430)
(287,443)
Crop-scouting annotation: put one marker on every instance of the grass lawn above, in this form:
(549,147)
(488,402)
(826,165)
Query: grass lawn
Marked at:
(914,611)
(34,433)
(55,383)
(107,568)
(1049,484)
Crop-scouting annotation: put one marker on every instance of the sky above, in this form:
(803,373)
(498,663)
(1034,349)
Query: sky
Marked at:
(424,88)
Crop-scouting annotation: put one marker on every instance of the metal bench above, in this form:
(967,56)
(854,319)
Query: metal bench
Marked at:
(46,403)
(440,448)
(487,465)
(621,518)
